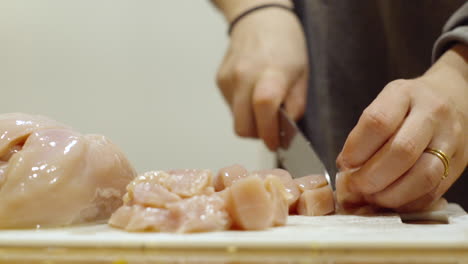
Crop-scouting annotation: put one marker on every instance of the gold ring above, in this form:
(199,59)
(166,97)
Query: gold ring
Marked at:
(443,157)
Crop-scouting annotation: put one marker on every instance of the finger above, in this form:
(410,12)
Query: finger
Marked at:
(421,203)
(244,120)
(377,124)
(269,92)
(428,199)
(423,177)
(241,79)
(396,157)
(295,101)
(456,167)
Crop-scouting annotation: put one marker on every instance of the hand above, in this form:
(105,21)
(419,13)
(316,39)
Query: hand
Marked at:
(407,117)
(264,67)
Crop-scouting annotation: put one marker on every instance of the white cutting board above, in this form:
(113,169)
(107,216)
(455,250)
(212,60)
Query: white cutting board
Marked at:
(333,231)
(322,239)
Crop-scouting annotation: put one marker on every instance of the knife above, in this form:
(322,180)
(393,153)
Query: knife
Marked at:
(296,153)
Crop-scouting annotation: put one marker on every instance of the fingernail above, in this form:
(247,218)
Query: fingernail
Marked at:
(341,163)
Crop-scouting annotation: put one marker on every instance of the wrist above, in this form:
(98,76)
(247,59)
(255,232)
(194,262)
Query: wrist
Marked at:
(231,9)
(453,63)
(449,75)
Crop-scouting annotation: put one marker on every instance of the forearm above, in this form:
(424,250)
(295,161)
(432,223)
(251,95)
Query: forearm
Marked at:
(232,8)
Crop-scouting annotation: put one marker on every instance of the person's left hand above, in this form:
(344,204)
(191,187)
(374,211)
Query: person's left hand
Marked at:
(407,117)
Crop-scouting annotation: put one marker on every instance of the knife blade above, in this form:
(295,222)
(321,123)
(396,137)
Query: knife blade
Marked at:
(296,154)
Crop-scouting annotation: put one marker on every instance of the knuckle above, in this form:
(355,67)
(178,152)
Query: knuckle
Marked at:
(458,131)
(242,70)
(263,98)
(441,107)
(377,121)
(400,84)
(406,148)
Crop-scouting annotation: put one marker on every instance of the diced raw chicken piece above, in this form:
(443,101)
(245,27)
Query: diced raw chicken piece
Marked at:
(153,195)
(189,182)
(345,198)
(228,175)
(310,182)
(348,202)
(287,181)
(136,218)
(252,205)
(121,217)
(147,190)
(58,176)
(201,213)
(279,197)
(316,202)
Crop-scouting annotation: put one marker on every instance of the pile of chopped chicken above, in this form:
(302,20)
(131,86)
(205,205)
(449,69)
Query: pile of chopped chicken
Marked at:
(197,201)
(51,175)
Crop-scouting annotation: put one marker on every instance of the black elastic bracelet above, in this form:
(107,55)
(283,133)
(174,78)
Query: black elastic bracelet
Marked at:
(248,11)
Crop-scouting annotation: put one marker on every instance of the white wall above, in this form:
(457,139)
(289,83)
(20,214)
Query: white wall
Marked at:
(141,72)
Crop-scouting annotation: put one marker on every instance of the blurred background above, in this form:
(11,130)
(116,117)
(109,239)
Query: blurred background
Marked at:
(140,72)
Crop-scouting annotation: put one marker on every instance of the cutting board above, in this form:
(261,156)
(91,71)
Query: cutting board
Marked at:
(439,235)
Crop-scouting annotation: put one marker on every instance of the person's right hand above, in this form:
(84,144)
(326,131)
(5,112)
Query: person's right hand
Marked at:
(265,66)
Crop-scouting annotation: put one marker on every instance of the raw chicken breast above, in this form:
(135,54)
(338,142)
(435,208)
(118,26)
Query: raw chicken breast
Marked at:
(16,127)
(315,202)
(3,167)
(56,176)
